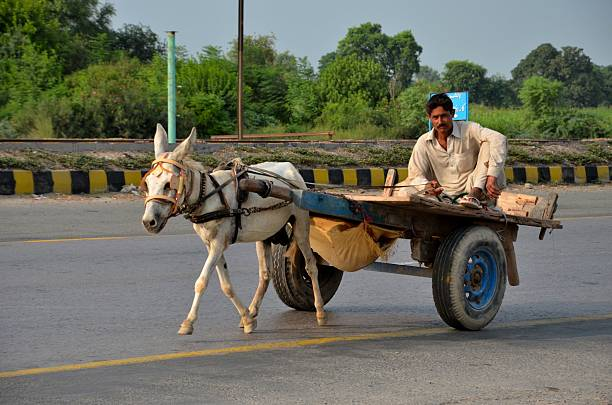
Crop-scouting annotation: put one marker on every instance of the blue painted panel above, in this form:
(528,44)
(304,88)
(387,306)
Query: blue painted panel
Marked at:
(460,103)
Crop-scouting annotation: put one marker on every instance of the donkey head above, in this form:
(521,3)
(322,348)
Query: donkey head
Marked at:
(165,184)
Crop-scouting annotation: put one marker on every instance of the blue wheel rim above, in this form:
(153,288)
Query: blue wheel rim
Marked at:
(480,279)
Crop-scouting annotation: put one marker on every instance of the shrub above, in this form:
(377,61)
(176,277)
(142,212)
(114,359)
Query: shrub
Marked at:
(412,116)
(347,114)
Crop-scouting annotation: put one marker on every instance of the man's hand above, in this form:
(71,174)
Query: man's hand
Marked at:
(492,190)
(433,188)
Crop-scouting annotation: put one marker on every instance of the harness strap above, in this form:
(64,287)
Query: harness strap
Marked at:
(228,212)
(211,216)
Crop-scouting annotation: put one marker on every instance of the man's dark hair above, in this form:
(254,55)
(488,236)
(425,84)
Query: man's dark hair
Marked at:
(439,100)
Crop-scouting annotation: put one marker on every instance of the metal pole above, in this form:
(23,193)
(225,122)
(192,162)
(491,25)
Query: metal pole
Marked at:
(171,87)
(240,52)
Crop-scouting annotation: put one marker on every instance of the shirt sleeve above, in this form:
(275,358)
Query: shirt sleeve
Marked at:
(498,147)
(418,166)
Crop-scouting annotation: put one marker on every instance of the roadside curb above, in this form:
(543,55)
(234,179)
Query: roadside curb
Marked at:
(101,181)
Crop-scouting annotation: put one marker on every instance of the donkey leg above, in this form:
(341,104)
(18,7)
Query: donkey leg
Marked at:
(264,257)
(246,319)
(302,229)
(200,285)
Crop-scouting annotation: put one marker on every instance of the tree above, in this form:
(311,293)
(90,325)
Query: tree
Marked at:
(350,76)
(398,55)
(498,92)
(536,63)
(605,73)
(581,80)
(137,41)
(413,117)
(540,96)
(463,75)
(258,50)
(427,73)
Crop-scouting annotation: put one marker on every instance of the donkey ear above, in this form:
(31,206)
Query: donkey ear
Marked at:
(160,141)
(186,146)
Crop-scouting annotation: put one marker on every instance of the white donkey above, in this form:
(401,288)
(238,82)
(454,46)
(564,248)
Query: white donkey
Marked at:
(178,185)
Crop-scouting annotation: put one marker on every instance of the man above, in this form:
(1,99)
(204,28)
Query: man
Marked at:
(457,158)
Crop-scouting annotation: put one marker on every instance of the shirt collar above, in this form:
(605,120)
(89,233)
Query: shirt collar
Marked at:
(456,132)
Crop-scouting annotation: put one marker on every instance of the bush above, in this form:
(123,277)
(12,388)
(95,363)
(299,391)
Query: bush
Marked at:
(539,95)
(570,124)
(413,116)
(347,114)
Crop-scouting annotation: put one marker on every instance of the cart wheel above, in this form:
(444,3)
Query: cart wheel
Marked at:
(469,277)
(293,284)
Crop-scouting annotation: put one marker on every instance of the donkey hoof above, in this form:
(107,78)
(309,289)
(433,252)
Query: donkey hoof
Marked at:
(253,315)
(322,320)
(186,328)
(250,326)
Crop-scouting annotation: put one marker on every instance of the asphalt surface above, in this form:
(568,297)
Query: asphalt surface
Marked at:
(81,282)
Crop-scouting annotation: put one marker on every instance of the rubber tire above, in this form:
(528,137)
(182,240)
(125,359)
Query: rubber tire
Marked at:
(448,277)
(292,283)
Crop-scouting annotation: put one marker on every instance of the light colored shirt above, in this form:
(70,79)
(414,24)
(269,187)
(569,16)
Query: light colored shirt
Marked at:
(453,166)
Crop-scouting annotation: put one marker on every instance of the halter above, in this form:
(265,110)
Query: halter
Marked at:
(177,183)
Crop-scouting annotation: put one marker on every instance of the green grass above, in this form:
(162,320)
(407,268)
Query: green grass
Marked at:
(509,121)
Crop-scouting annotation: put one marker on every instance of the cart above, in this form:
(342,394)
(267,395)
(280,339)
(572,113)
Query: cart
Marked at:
(469,254)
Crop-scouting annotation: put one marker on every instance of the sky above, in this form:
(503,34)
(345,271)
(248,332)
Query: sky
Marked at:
(493,33)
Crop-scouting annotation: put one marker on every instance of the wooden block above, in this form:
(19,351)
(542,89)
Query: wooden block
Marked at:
(390,181)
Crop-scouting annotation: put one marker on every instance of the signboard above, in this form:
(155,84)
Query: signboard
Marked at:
(460,104)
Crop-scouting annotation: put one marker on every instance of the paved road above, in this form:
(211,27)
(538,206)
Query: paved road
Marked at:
(68,304)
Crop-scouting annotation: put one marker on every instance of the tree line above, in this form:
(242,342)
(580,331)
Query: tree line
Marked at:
(64,72)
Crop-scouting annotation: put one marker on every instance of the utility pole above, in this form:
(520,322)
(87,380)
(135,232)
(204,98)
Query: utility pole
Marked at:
(171,87)
(240,52)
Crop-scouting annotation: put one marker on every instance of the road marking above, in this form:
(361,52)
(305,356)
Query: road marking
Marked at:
(578,218)
(75,239)
(291,344)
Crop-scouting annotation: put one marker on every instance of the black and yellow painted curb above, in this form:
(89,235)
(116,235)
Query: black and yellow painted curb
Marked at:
(101,181)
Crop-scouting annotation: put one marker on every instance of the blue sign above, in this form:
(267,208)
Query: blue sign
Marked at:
(460,104)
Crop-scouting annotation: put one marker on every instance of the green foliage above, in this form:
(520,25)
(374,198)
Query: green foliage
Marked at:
(346,114)
(398,54)
(540,96)
(536,63)
(413,118)
(428,74)
(107,100)
(137,41)
(498,92)
(511,122)
(580,77)
(258,50)
(349,77)
(302,97)
(571,124)
(208,113)
(463,75)
(207,94)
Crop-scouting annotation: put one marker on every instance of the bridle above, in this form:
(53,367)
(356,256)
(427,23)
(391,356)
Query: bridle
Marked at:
(177,183)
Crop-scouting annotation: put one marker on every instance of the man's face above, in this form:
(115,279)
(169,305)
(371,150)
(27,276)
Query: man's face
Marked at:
(441,119)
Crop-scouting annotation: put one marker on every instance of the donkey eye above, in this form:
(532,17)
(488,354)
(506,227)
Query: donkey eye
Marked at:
(167,187)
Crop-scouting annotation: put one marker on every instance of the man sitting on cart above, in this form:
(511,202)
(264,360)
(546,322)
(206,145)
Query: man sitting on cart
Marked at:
(461,160)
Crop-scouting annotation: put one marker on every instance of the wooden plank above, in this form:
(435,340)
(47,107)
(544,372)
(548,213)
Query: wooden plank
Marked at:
(428,205)
(329,134)
(389,182)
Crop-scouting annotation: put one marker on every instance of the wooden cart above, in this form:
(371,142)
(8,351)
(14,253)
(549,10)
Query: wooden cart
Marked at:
(469,254)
